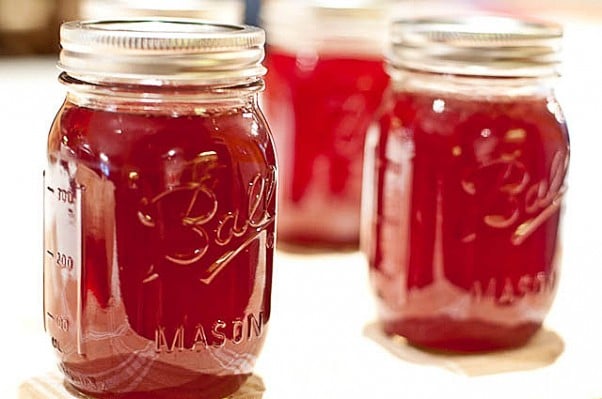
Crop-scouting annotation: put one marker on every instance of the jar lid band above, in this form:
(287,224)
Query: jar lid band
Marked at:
(162,49)
(478,45)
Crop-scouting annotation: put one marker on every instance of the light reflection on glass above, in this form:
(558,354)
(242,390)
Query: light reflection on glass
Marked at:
(439,105)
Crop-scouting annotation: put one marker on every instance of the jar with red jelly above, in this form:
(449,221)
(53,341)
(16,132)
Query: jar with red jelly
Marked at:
(464,183)
(159,209)
(325,82)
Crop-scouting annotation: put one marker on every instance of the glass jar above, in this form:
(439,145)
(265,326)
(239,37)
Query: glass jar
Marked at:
(159,209)
(324,86)
(465,178)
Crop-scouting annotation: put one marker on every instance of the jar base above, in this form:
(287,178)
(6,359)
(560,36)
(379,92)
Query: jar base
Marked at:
(444,334)
(214,387)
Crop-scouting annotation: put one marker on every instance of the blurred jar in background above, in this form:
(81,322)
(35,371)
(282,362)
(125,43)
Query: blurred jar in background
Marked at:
(226,11)
(464,182)
(324,84)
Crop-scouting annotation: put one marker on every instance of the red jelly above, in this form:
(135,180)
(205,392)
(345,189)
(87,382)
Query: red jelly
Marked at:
(160,206)
(464,189)
(323,90)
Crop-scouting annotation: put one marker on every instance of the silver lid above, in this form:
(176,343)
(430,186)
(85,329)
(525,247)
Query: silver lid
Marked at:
(162,49)
(479,45)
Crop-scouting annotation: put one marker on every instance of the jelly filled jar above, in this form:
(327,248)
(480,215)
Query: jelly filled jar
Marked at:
(325,82)
(159,209)
(464,182)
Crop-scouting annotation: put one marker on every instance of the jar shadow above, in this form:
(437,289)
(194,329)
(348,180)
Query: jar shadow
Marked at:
(541,351)
(52,386)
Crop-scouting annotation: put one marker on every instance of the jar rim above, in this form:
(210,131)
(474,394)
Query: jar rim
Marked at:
(162,49)
(476,45)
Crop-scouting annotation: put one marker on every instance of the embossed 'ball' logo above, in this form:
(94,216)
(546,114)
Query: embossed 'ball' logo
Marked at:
(187,222)
(182,212)
(513,198)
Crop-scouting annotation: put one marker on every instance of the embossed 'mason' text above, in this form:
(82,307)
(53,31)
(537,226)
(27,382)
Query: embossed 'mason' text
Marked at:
(507,291)
(217,335)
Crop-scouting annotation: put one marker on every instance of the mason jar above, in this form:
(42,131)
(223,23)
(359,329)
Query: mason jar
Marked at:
(465,180)
(325,82)
(159,209)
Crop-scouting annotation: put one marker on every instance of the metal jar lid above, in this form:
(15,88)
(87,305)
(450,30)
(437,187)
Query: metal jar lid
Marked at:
(162,49)
(480,45)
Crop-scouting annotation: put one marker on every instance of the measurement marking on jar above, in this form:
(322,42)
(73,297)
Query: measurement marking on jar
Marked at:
(64,261)
(79,272)
(56,345)
(61,322)
(65,196)
(63,247)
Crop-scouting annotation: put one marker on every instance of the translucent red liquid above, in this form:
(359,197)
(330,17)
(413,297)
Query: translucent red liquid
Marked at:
(178,227)
(463,236)
(319,107)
